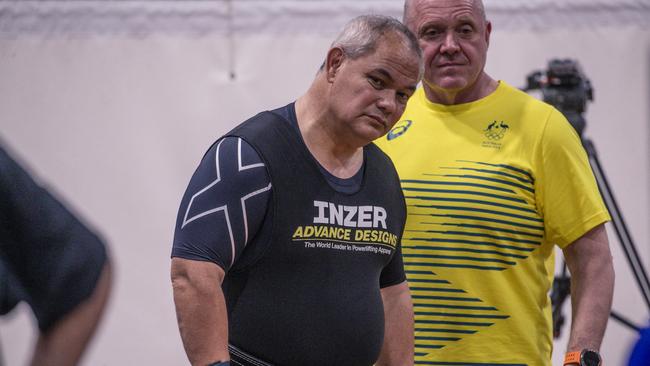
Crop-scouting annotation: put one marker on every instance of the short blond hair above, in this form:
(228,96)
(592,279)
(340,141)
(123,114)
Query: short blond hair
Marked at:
(407,17)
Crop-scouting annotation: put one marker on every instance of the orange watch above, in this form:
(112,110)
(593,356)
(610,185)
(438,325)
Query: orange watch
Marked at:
(586,357)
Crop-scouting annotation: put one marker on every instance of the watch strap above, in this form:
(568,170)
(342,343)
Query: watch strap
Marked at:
(572,357)
(576,358)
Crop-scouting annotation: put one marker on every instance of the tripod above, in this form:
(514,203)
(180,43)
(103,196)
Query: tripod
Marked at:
(561,285)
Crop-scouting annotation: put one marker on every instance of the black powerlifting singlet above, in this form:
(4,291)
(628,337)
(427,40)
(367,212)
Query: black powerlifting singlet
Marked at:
(313,297)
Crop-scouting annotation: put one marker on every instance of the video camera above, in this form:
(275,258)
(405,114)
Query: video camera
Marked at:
(564,86)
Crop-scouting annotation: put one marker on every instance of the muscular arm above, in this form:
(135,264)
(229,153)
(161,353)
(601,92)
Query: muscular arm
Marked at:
(223,207)
(592,286)
(200,310)
(397,349)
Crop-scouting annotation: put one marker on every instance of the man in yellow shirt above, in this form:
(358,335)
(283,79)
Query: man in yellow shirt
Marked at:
(493,180)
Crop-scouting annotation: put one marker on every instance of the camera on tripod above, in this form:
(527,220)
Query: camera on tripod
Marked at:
(564,86)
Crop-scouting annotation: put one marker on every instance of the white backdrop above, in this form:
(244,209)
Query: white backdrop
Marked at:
(113,104)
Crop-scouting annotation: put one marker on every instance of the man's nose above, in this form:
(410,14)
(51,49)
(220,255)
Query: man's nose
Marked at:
(449,44)
(386,102)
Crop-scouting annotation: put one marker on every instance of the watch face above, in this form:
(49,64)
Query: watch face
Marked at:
(590,358)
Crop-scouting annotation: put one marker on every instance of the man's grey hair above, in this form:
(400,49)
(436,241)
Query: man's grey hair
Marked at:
(361,35)
(407,16)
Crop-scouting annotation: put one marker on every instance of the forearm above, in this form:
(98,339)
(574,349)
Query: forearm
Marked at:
(591,304)
(592,287)
(200,310)
(65,343)
(397,349)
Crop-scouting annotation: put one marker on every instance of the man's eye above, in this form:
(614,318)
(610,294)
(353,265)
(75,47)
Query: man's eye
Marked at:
(403,97)
(466,30)
(376,83)
(430,33)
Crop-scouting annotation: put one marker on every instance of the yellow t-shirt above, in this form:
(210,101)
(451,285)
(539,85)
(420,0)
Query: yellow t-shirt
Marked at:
(490,187)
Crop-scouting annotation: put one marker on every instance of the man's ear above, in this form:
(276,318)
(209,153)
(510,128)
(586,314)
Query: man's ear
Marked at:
(335,58)
(488,31)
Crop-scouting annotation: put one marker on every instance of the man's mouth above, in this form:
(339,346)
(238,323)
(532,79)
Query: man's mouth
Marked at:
(378,119)
(449,64)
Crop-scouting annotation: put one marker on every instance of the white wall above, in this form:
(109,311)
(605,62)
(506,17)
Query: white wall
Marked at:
(113,104)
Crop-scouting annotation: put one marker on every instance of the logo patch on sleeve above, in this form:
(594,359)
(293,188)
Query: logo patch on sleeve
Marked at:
(400,128)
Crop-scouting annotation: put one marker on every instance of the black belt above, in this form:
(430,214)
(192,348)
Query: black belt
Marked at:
(241,358)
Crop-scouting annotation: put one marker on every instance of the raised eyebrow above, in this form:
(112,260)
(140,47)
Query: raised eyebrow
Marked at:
(426,26)
(384,73)
(460,21)
(467,20)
